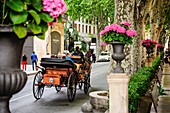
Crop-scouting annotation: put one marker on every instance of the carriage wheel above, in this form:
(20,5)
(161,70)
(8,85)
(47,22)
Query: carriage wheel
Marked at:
(86,83)
(71,87)
(58,88)
(38,86)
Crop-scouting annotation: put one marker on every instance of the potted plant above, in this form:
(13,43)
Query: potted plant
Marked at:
(118,32)
(31,14)
(19,19)
(149,44)
(118,35)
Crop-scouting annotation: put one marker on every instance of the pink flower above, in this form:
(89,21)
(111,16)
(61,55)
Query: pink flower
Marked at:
(143,41)
(102,32)
(107,28)
(131,33)
(51,23)
(114,30)
(103,43)
(54,7)
(159,45)
(148,44)
(125,23)
(121,30)
(134,33)
(114,27)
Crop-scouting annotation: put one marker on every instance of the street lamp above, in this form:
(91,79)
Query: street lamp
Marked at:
(71,29)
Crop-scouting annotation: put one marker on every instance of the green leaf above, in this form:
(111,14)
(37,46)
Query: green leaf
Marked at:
(116,38)
(121,38)
(42,37)
(28,1)
(15,5)
(37,4)
(18,18)
(44,27)
(35,16)
(36,29)
(60,18)
(20,31)
(46,17)
(117,34)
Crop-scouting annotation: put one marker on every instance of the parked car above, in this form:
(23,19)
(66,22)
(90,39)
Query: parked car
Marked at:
(104,56)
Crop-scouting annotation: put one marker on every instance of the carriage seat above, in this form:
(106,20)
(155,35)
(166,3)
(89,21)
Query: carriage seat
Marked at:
(77,59)
(58,63)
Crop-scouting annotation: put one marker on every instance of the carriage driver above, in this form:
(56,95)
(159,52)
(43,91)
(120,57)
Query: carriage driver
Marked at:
(77,52)
(68,57)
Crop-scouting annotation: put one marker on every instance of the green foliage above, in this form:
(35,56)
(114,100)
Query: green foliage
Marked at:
(161,55)
(23,15)
(97,11)
(113,36)
(83,46)
(91,36)
(139,83)
(167,21)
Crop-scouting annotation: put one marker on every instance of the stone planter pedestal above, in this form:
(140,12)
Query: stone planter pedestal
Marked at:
(118,92)
(148,62)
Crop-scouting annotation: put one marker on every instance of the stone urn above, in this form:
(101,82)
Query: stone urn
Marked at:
(118,55)
(149,50)
(12,78)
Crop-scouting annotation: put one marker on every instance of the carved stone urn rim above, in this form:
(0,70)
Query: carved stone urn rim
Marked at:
(8,28)
(116,42)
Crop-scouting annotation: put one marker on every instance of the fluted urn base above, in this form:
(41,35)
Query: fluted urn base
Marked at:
(11,82)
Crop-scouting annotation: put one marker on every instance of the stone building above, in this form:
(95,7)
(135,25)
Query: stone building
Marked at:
(53,43)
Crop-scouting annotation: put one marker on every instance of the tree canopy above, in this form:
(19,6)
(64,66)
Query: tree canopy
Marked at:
(99,12)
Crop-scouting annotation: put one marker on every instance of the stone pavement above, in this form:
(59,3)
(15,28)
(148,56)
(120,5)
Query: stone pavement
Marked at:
(29,70)
(164,101)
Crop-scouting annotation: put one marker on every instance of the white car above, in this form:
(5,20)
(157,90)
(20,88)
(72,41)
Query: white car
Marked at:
(104,56)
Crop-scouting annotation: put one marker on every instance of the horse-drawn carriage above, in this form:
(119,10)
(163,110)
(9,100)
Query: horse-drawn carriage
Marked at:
(62,73)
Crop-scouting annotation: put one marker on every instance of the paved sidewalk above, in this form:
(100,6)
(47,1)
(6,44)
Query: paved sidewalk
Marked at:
(164,101)
(29,70)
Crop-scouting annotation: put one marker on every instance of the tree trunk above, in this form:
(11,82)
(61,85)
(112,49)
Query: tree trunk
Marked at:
(158,15)
(141,18)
